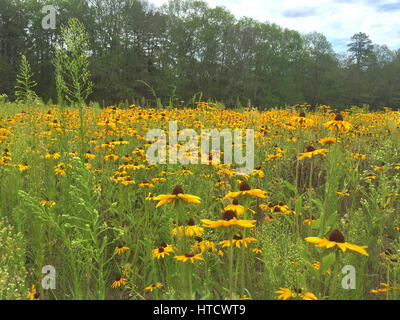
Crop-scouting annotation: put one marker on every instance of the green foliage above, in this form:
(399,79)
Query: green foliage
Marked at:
(24,88)
(195,48)
(12,263)
(72,63)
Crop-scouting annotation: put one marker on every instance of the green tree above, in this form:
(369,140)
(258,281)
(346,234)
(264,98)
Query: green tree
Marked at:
(72,63)
(24,87)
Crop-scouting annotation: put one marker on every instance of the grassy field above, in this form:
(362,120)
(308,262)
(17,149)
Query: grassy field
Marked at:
(78,194)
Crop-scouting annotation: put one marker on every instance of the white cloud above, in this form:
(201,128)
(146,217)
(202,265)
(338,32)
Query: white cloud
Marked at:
(337,19)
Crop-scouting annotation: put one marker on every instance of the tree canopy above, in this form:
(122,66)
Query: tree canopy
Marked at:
(185,47)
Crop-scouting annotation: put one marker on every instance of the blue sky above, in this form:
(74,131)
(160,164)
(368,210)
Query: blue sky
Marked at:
(338,20)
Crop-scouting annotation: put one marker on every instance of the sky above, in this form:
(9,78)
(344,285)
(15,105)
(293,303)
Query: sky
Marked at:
(338,20)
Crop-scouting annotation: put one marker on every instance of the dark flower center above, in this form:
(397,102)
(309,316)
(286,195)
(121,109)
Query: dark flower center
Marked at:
(163,244)
(199,239)
(160,250)
(302,114)
(235,202)
(336,236)
(388,252)
(237,237)
(189,255)
(310,149)
(229,215)
(177,190)
(339,117)
(244,186)
(191,222)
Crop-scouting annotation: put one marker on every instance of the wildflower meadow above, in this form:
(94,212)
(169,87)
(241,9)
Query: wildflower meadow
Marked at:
(169,154)
(84,200)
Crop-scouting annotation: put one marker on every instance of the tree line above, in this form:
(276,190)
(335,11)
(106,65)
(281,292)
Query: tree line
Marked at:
(186,50)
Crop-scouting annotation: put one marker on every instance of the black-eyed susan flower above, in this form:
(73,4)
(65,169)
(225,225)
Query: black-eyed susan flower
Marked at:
(307,296)
(235,206)
(309,221)
(285,294)
(121,249)
(60,169)
(336,238)
(244,190)
(153,286)
(238,241)
(118,282)
(311,152)
(146,184)
(203,245)
(317,265)
(89,155)
(160,253)
(177,194)
(32,294)
(48,203)
(386,288)
(257,250)
(358,156)
(338,124)
(229,219)
(23,167)
(328,141)
(189,256)
(192,230)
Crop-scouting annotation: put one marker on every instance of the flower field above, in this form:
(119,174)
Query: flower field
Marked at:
(318,217)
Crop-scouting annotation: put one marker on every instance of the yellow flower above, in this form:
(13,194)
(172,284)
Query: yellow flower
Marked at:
(33,295)
(189,256)
(235,206)
(257,250)
(285,293)
(358,156)
(23,167)
(121,249)
(90,155)
(153,286)
(311,152)
(118,282)
(302,121)
(237,240)
(328,141)
(343,194)
(336,238)
(308,296)
(245,190)
(177,194)
(338,124)
(308,221)
(229,219)
(386,288)
(160,253)
(145,184)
